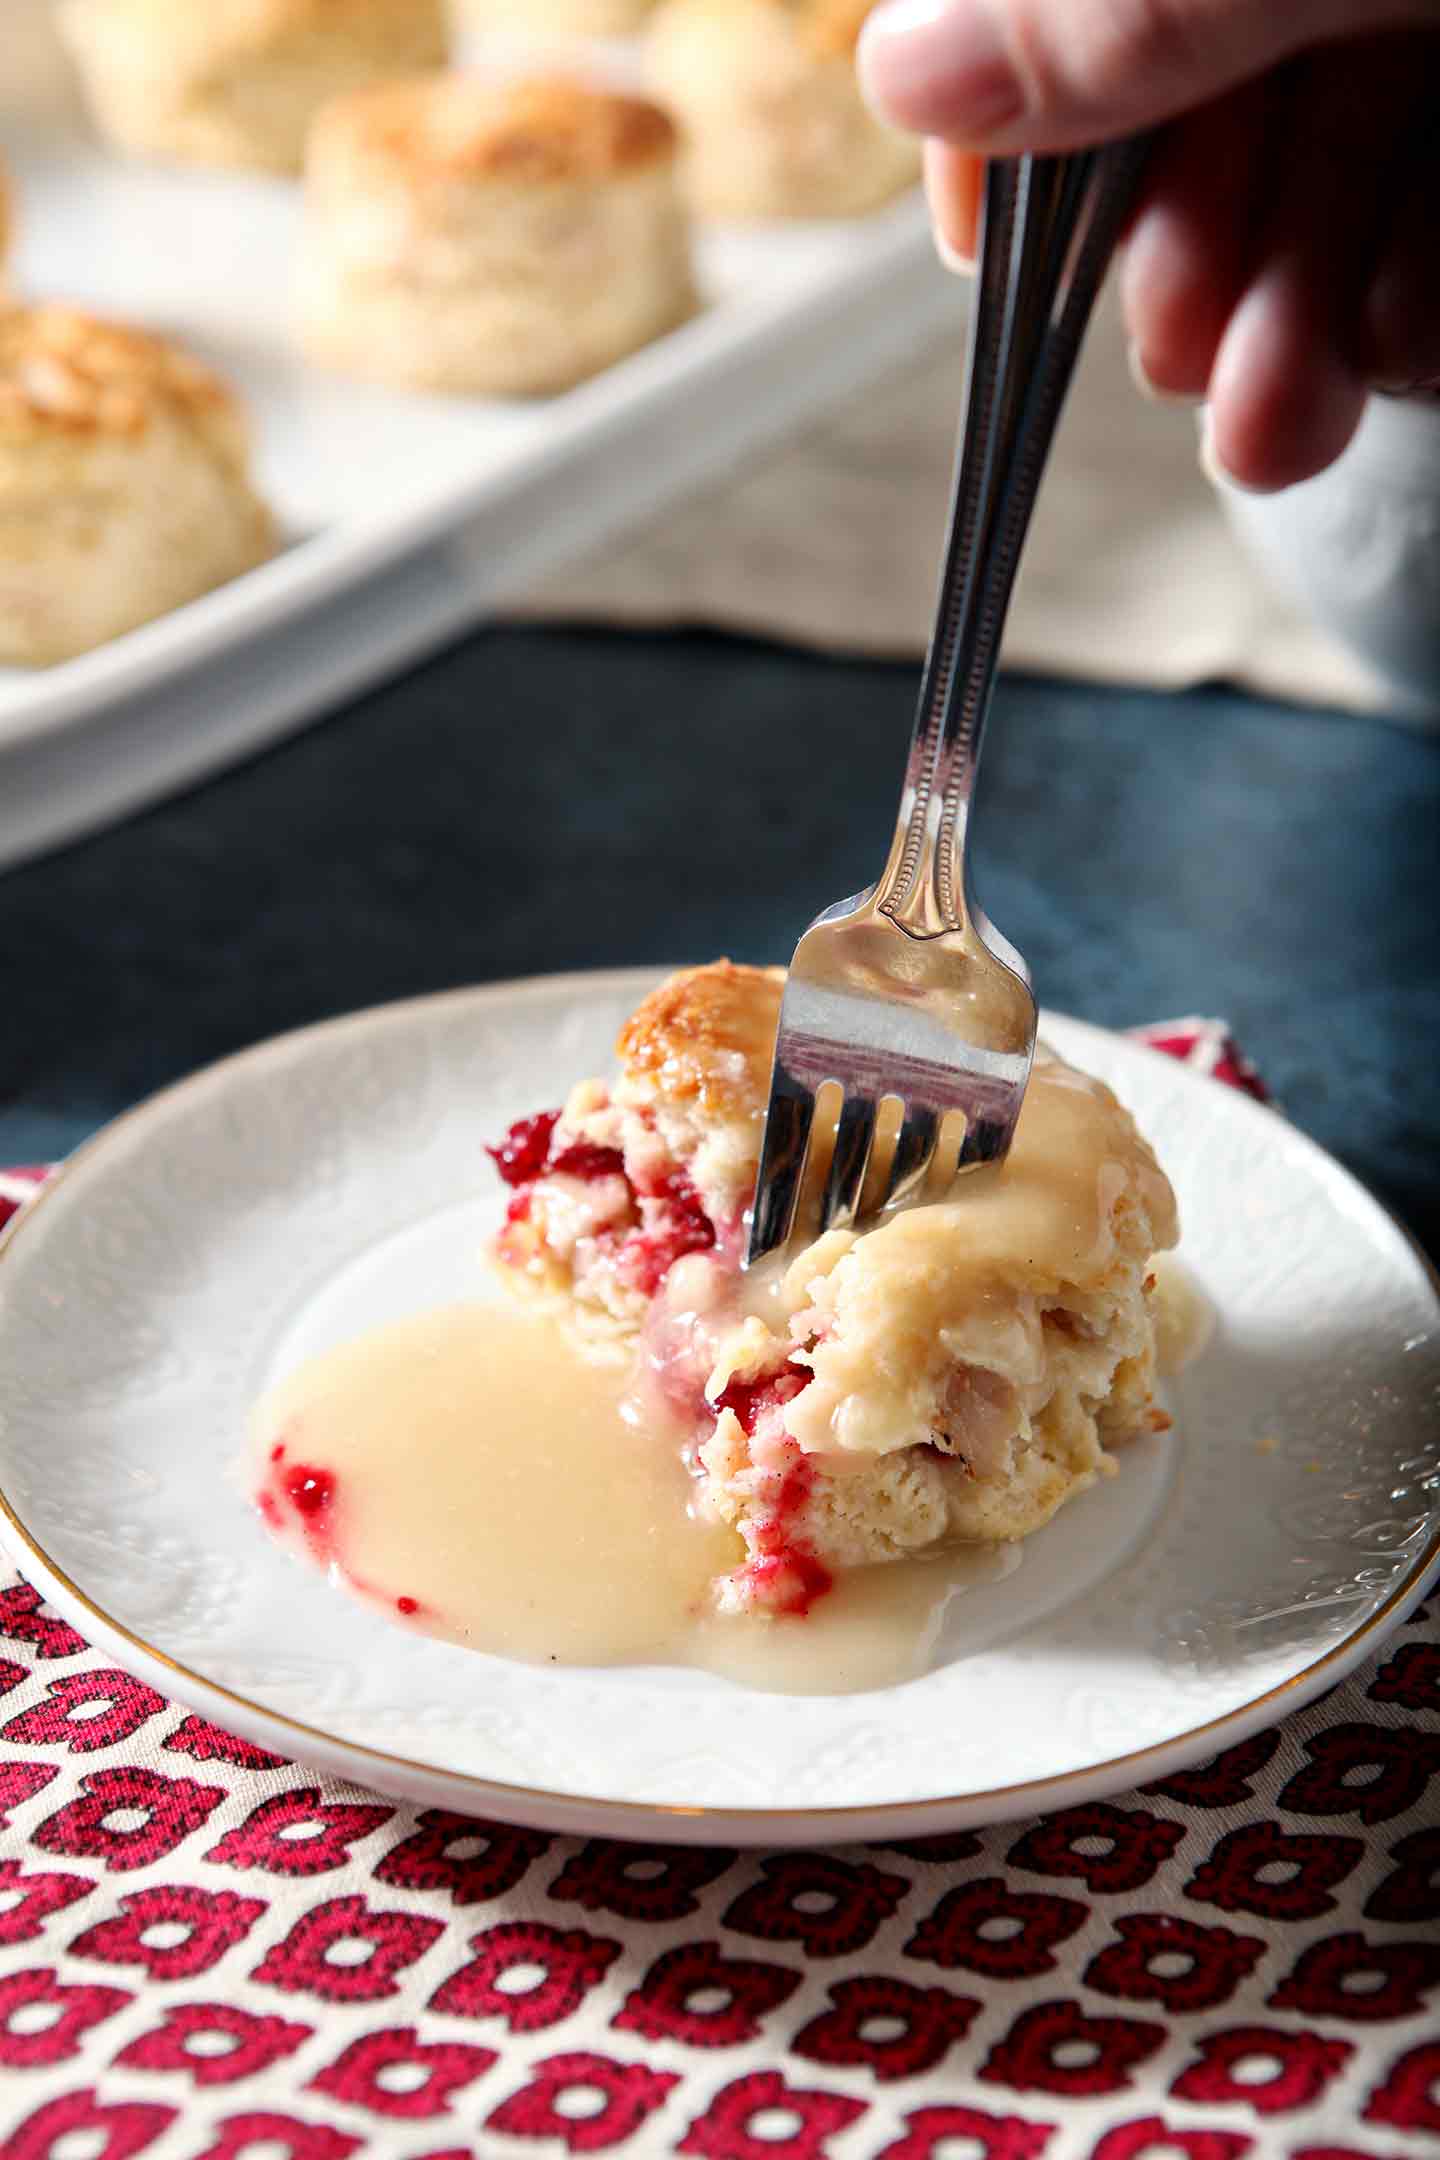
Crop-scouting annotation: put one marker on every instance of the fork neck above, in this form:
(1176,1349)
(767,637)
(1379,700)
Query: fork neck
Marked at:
(922,887)
(1049,227)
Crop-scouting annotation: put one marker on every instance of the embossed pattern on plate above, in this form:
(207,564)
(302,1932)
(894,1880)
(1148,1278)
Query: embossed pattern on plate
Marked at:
(144,1300)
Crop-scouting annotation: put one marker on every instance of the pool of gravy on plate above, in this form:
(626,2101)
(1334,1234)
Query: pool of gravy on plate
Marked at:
(469,1473)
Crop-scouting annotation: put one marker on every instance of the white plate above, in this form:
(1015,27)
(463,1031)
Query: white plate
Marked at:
(407,517)
(290,1196)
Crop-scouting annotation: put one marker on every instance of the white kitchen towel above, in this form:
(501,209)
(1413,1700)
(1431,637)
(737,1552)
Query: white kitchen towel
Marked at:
(1131,574)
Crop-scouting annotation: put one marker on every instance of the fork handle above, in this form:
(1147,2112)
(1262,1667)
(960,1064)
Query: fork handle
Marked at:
(1049,229)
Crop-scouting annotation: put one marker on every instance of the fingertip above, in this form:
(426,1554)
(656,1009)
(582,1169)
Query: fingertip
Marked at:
(1151,389)
(1212,464)
(955,260)
(1284,402)
(896,85)
(1173,310)
(954,182)
(939,67)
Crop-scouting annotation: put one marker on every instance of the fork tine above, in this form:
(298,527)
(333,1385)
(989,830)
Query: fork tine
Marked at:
(854,1138)
(987,1138)
(782,1165)
(914,1152)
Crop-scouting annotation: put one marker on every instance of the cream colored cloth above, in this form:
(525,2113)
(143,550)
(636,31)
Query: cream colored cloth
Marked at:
(1131,574)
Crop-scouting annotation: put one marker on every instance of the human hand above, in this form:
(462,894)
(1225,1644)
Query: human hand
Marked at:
(1284,257)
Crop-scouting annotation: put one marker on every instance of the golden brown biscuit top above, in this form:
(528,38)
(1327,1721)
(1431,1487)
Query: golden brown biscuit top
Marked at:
(65,373)
(708,1034)
(540,128)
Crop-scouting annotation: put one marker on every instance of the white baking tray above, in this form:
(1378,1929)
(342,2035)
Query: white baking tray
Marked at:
(407,518)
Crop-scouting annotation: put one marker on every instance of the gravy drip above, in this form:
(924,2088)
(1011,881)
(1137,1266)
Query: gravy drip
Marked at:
(1184,1315)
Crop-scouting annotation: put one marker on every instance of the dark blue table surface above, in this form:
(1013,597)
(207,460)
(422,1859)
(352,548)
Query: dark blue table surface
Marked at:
(540,799)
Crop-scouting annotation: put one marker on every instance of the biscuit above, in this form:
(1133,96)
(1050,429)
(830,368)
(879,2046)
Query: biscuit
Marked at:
(124,483)
(238,82)
(551,18)
(493,236)
(629,1177)
(767,98)
(953,1374)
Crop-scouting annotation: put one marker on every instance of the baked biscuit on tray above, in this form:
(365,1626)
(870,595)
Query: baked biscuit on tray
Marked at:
(124,482)
(766,95)
(546,18)
(491,235)
(238,82)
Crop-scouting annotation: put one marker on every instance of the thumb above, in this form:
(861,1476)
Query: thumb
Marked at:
(1013,75)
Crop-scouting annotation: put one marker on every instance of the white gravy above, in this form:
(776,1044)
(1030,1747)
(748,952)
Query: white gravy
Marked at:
(1184,1316)
(470,1473)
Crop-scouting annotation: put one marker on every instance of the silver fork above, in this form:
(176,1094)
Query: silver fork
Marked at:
(907,991)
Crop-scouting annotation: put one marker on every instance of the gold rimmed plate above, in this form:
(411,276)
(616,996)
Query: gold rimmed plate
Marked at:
(334,1178)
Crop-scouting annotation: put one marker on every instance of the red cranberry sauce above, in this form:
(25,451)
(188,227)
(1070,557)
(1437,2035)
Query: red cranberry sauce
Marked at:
(783,1572)
(586,1163)
(788,1581)
(751,1399)
(528,1151)
(525,1149)
(671,1220)
(299,1491)
(310,1492)
(677,1190)
(672,1223)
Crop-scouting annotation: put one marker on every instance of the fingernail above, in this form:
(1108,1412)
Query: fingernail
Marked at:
(953,258)
(1150,389)
(1217,474)
(940,64)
